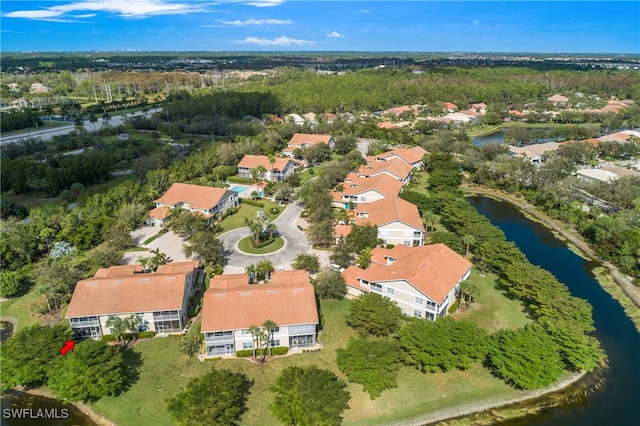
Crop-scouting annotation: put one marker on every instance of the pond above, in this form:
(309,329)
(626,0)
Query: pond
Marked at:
(615,400)
(498,137)
(39,411)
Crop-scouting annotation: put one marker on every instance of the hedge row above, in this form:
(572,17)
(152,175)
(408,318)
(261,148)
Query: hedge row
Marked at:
(238,179)
(262,244)
(252,203)
(278,350)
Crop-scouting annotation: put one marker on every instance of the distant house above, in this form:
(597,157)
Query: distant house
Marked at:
(606,174)
(206,200)
(39,88)
(558,100)
(394,167)
(305,140)
(398,221)
(450,106)
(231,306)
(412,156)
(365,190)
(159,299)
(275,172)
(535,152)
(423,281)
(295,118)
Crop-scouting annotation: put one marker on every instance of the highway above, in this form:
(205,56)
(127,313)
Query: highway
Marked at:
(47,134)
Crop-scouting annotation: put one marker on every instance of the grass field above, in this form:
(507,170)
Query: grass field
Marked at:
(249,212)
(245,246)
(492,310)
(20,309)
(165,371)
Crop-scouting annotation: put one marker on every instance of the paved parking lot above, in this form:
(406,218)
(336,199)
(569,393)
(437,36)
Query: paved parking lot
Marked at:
(169,244)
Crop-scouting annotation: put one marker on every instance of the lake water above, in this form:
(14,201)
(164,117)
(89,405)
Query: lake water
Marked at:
(616,401)
(498,137)
(43,411)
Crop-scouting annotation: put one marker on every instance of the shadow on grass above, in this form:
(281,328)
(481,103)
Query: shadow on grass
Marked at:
(132,361)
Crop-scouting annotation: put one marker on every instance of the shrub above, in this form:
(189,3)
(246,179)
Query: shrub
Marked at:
(146,334)
(274,210)
(453,307)
(279,350)
(218,358)
(262,244)
(252,203)
(305,213)
(108,338)
(389,246)
(238,179)
(246,353)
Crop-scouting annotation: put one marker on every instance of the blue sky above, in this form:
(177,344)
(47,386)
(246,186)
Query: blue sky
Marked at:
(276,25)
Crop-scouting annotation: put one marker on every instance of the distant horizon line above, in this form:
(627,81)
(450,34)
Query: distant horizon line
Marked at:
(411,52)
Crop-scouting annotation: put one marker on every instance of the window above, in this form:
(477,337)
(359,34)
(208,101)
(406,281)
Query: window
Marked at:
(275,342)
(391,291)
(417,234)
(247,345)
(407,243)
(431,304)
(417,313)
(375,287)
(430,316)
(246,332)
(276,330)
(419,300)
(363,198)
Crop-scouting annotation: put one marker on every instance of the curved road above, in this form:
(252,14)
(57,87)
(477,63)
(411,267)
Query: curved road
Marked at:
(295,243)
(48,133)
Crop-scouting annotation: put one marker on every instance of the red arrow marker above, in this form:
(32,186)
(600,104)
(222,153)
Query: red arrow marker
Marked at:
(68,346)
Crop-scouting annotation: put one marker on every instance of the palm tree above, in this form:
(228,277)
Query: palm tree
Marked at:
(254,174)
(271,227)
(93,120)
(469,240)
(468,292)
(262,172)
(251,269)
(118,328)
(269,326)
(430,219)
(256,228)
(255,336)
(264,268)
(106,117)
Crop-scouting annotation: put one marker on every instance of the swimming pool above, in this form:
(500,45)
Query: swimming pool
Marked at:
(239,188)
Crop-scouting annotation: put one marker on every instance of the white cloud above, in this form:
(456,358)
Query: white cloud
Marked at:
(264,3)
(334,34)
(86,15)
(365,11)
(123,8)
(476,22)
(279,41)
(248,22)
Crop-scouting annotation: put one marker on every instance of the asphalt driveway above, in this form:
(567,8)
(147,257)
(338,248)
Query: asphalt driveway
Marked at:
(295,243)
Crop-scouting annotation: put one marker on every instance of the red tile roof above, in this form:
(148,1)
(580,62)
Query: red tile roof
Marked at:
(161,212)
(409,155)
(253,161)
(198,196)
(396,167)
(388,210)
(310,139)
(288,300)
(384,184)
(433,269)
(122,289)
(118,271)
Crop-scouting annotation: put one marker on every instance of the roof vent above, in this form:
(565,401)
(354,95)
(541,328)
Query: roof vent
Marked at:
(92,282)
(169,278)
(246,293)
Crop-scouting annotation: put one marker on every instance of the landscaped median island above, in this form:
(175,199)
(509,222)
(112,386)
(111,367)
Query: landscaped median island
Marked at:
(271,245)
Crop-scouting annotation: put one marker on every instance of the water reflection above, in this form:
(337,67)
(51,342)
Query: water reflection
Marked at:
(615,399)
(22,409)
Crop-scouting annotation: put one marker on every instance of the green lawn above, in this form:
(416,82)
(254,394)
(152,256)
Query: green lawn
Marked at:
(245,246)
(246,211)
(165,371)
(20,308)
(492,310)
(306,176)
